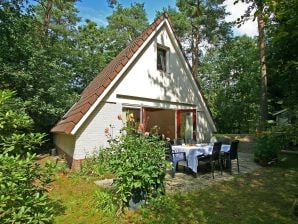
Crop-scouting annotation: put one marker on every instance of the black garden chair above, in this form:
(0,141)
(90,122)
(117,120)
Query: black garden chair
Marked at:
(215,156)
(179,141)
(175,158)
(227,157)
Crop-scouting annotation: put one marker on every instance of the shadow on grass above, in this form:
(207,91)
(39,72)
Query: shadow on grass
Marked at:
(288,160)
(59,208)
(264,196)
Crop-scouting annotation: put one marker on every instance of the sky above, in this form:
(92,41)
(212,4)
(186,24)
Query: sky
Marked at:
(98,10)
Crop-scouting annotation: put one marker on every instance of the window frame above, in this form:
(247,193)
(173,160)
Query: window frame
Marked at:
(134,111)
(163,65)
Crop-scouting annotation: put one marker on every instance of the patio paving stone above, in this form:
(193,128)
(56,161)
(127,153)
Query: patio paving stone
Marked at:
(185,181)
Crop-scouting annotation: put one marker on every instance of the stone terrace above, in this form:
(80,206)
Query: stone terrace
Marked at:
(184,181)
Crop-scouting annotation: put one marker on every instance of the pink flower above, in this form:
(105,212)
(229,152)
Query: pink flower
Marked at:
(141,127)
(119,117)
(107,130)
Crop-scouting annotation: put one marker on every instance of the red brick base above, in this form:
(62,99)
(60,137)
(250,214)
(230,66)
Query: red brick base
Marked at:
(74,164)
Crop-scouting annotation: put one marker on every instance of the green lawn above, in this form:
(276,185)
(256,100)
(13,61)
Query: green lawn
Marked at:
(265,196)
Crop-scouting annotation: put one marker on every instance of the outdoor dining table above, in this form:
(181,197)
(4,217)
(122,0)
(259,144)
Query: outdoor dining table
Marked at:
(193,151)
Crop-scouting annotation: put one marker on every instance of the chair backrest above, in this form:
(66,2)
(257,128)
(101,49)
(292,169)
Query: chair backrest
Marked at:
(216,150)
(234,149)
(191,141)
(179,141)
(171,141)
(168,151)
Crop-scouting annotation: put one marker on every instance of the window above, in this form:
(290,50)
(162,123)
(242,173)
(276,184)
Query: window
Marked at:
(161,59)
(132,114)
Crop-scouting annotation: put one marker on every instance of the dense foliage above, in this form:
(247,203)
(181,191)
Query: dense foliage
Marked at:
(33,65)
(15,127)
(238,91)
(268,146)
(22,181)
(136,162)
(48,56)
(283,56)
(199,25)
(229,75)
(97,166)
(139,165)
(45,53)
(23,194)
(270,143)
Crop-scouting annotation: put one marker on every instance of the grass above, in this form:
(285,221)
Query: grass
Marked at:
(265,196)
(76,199)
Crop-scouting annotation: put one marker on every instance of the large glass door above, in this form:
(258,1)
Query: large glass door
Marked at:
(186,124)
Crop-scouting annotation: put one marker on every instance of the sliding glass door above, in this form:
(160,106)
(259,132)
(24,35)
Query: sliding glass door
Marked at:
(186,124)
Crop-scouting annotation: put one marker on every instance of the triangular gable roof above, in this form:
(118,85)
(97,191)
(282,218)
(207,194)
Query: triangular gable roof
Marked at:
(102,81)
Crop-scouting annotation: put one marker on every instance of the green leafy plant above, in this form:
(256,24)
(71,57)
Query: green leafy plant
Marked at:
(15,127)
(23,183)
(139,165)
(271,142)
(22,143)
(22,190)
(96,166)
(105,202)
(268,146)
(55,166)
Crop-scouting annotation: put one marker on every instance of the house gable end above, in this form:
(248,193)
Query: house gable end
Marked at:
(145,82)
(103,84)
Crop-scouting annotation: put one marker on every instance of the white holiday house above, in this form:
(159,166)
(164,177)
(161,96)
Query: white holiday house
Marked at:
(151,78)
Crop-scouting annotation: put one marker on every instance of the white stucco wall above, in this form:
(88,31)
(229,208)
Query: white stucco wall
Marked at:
(145,81)
(165,89)
(65,142)
(203,128)
(174,89)
(91,136)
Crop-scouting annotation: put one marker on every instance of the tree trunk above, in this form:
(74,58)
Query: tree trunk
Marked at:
(47,17)
(195,52)
(264,103)
(196,42)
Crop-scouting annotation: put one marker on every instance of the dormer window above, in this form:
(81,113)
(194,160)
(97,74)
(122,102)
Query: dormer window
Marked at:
(161,59)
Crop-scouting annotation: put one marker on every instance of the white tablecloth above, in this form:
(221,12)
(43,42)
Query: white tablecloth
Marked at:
(192,152)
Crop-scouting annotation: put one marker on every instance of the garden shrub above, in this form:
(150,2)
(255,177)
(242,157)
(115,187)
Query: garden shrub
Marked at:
(23,197)
(135,161)
(268,145)
(95,166)
(55,166)
(290,134)
(266,148)
(15,127)
(139,165)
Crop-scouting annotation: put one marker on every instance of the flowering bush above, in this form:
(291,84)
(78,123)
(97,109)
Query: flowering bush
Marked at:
(139,165)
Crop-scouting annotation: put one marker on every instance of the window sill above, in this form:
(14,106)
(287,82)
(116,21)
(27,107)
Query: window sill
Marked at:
(164,72)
